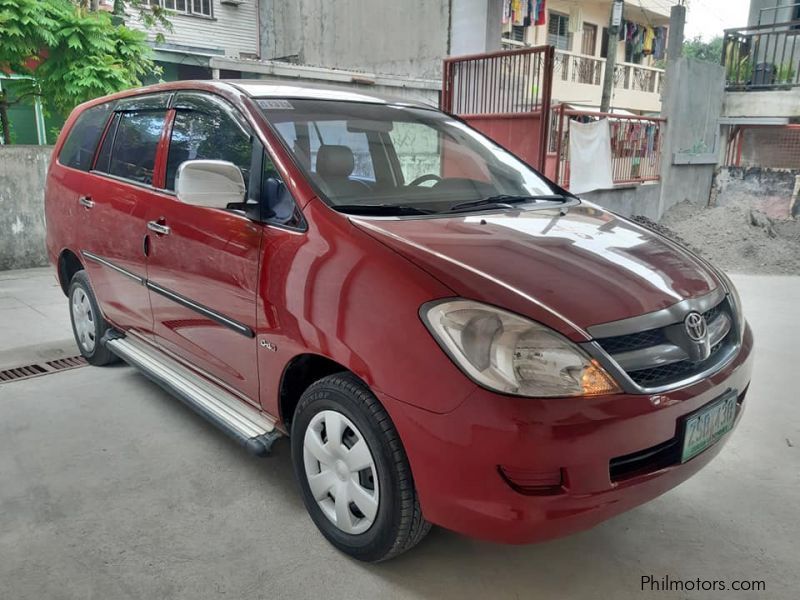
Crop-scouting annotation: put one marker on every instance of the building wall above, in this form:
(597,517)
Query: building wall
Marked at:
(232,31)
(769,17)
(22,229)
(597,14)
(379,36)
(692,107)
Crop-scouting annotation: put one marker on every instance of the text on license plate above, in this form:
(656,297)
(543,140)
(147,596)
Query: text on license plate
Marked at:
(709,425)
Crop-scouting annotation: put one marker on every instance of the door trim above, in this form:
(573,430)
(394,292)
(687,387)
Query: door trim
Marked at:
(107,263)
(209,313)
(203,310)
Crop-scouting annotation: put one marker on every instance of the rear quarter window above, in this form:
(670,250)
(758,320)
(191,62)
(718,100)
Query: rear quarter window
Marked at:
(81,143)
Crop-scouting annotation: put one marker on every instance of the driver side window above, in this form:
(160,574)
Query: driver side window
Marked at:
(206,128)
(418,150)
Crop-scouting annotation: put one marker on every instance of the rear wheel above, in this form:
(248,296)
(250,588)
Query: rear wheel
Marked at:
(88,324)
(353,471)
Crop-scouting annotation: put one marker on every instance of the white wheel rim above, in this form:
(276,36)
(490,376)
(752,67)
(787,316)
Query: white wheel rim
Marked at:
(340,471)
(83,319)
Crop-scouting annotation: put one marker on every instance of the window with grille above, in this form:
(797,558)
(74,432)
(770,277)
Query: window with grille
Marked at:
(518,33)
(558,34)
(188,7)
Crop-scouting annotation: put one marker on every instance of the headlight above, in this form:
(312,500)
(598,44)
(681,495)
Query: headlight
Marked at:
(511,354)
(736,303)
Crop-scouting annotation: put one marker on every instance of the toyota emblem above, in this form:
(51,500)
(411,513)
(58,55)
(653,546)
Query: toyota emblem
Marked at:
(696,327)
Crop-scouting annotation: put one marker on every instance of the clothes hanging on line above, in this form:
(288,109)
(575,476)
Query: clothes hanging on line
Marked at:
(643,40)
(524,13)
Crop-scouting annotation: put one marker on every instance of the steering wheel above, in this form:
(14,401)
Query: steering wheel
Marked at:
(423,178)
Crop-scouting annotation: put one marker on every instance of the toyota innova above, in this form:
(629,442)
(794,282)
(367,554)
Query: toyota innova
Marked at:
(446,336)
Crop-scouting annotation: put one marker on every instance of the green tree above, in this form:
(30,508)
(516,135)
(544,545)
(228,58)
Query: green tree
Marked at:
(71,53)
(705,51)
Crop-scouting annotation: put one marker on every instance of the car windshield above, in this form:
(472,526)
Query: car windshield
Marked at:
(401,160)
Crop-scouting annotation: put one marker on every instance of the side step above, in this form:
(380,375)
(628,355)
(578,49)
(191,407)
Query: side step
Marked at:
(250,427)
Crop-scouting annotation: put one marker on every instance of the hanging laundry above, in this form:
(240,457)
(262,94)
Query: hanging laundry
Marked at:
(526,20)
(660,46)
(648,39)
(541,8)
(575,18)
(516,12)
(590,156)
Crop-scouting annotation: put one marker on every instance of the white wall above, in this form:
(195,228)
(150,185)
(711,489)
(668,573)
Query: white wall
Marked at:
(475,26)
(399,37)
(232,31)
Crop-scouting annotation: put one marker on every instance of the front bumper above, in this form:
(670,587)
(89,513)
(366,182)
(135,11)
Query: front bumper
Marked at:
(456,457)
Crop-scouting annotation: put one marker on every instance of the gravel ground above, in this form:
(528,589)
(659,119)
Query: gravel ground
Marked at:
(735,237)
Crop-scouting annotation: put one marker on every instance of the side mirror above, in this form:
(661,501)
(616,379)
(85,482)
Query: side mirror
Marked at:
(210,183)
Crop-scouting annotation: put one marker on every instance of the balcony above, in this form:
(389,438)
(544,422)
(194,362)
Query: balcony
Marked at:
(763,57)
(762,72)
(578,79)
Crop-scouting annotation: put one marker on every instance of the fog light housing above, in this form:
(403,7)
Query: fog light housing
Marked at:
(533,483)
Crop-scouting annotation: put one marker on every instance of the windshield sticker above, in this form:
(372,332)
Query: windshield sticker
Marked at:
(275,104)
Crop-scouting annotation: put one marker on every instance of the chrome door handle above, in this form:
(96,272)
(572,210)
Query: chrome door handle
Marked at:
(86,202)
(157,227)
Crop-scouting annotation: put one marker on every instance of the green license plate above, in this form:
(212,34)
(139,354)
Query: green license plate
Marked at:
(706,427)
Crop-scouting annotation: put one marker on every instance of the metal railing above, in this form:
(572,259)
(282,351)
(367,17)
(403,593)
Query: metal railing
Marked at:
(578,68)
(581,68)
(762,57)
(635,144)
(769,146)
(505,84)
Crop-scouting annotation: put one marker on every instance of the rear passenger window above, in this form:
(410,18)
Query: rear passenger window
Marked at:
(78,149)
(206,128)
(133,154)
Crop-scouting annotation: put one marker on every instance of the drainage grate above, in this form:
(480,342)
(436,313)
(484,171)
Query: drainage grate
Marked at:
(51,366)
(71,362)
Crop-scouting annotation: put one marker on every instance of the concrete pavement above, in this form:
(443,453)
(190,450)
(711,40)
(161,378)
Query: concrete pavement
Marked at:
(111,489)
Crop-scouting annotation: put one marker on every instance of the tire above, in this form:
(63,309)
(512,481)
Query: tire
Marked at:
(397,524)
(88,324)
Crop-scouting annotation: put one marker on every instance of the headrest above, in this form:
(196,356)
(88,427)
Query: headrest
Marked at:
(337,161)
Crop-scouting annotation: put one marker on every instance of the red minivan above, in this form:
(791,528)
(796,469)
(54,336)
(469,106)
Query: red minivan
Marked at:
(446,336)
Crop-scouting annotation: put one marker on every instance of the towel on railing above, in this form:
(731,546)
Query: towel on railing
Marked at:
(590,156)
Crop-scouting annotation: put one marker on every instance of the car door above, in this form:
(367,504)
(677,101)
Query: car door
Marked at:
(203,263)
(118,190)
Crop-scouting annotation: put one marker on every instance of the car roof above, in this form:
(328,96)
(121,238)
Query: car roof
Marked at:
(256,88)
(259,88)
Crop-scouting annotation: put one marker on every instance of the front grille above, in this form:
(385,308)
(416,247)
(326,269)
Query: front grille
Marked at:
(634,341)
(660,375)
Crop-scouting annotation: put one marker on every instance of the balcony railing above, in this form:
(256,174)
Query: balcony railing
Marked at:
(762,57)
(580,68)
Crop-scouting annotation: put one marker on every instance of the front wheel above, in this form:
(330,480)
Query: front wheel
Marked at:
(353,471)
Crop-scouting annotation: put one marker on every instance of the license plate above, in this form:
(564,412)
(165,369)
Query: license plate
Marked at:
(706,427)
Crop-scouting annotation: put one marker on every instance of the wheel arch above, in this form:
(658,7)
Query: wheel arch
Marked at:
(298,374)
(68,265)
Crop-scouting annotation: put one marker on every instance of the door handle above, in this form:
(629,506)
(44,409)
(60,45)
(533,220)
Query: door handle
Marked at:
(86,202)
(158,228)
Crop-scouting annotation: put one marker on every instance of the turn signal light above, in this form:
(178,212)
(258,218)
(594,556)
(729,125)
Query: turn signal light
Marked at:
(596,382)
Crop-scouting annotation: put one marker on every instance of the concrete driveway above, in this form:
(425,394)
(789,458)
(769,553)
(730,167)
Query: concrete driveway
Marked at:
(111,489)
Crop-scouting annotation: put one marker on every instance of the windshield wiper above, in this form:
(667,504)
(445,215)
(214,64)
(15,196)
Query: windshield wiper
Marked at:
(505,201)
(380,209)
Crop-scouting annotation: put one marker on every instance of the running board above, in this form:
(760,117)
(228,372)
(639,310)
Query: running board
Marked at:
(249,426)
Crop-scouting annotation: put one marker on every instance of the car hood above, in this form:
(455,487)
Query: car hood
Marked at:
(570,271)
